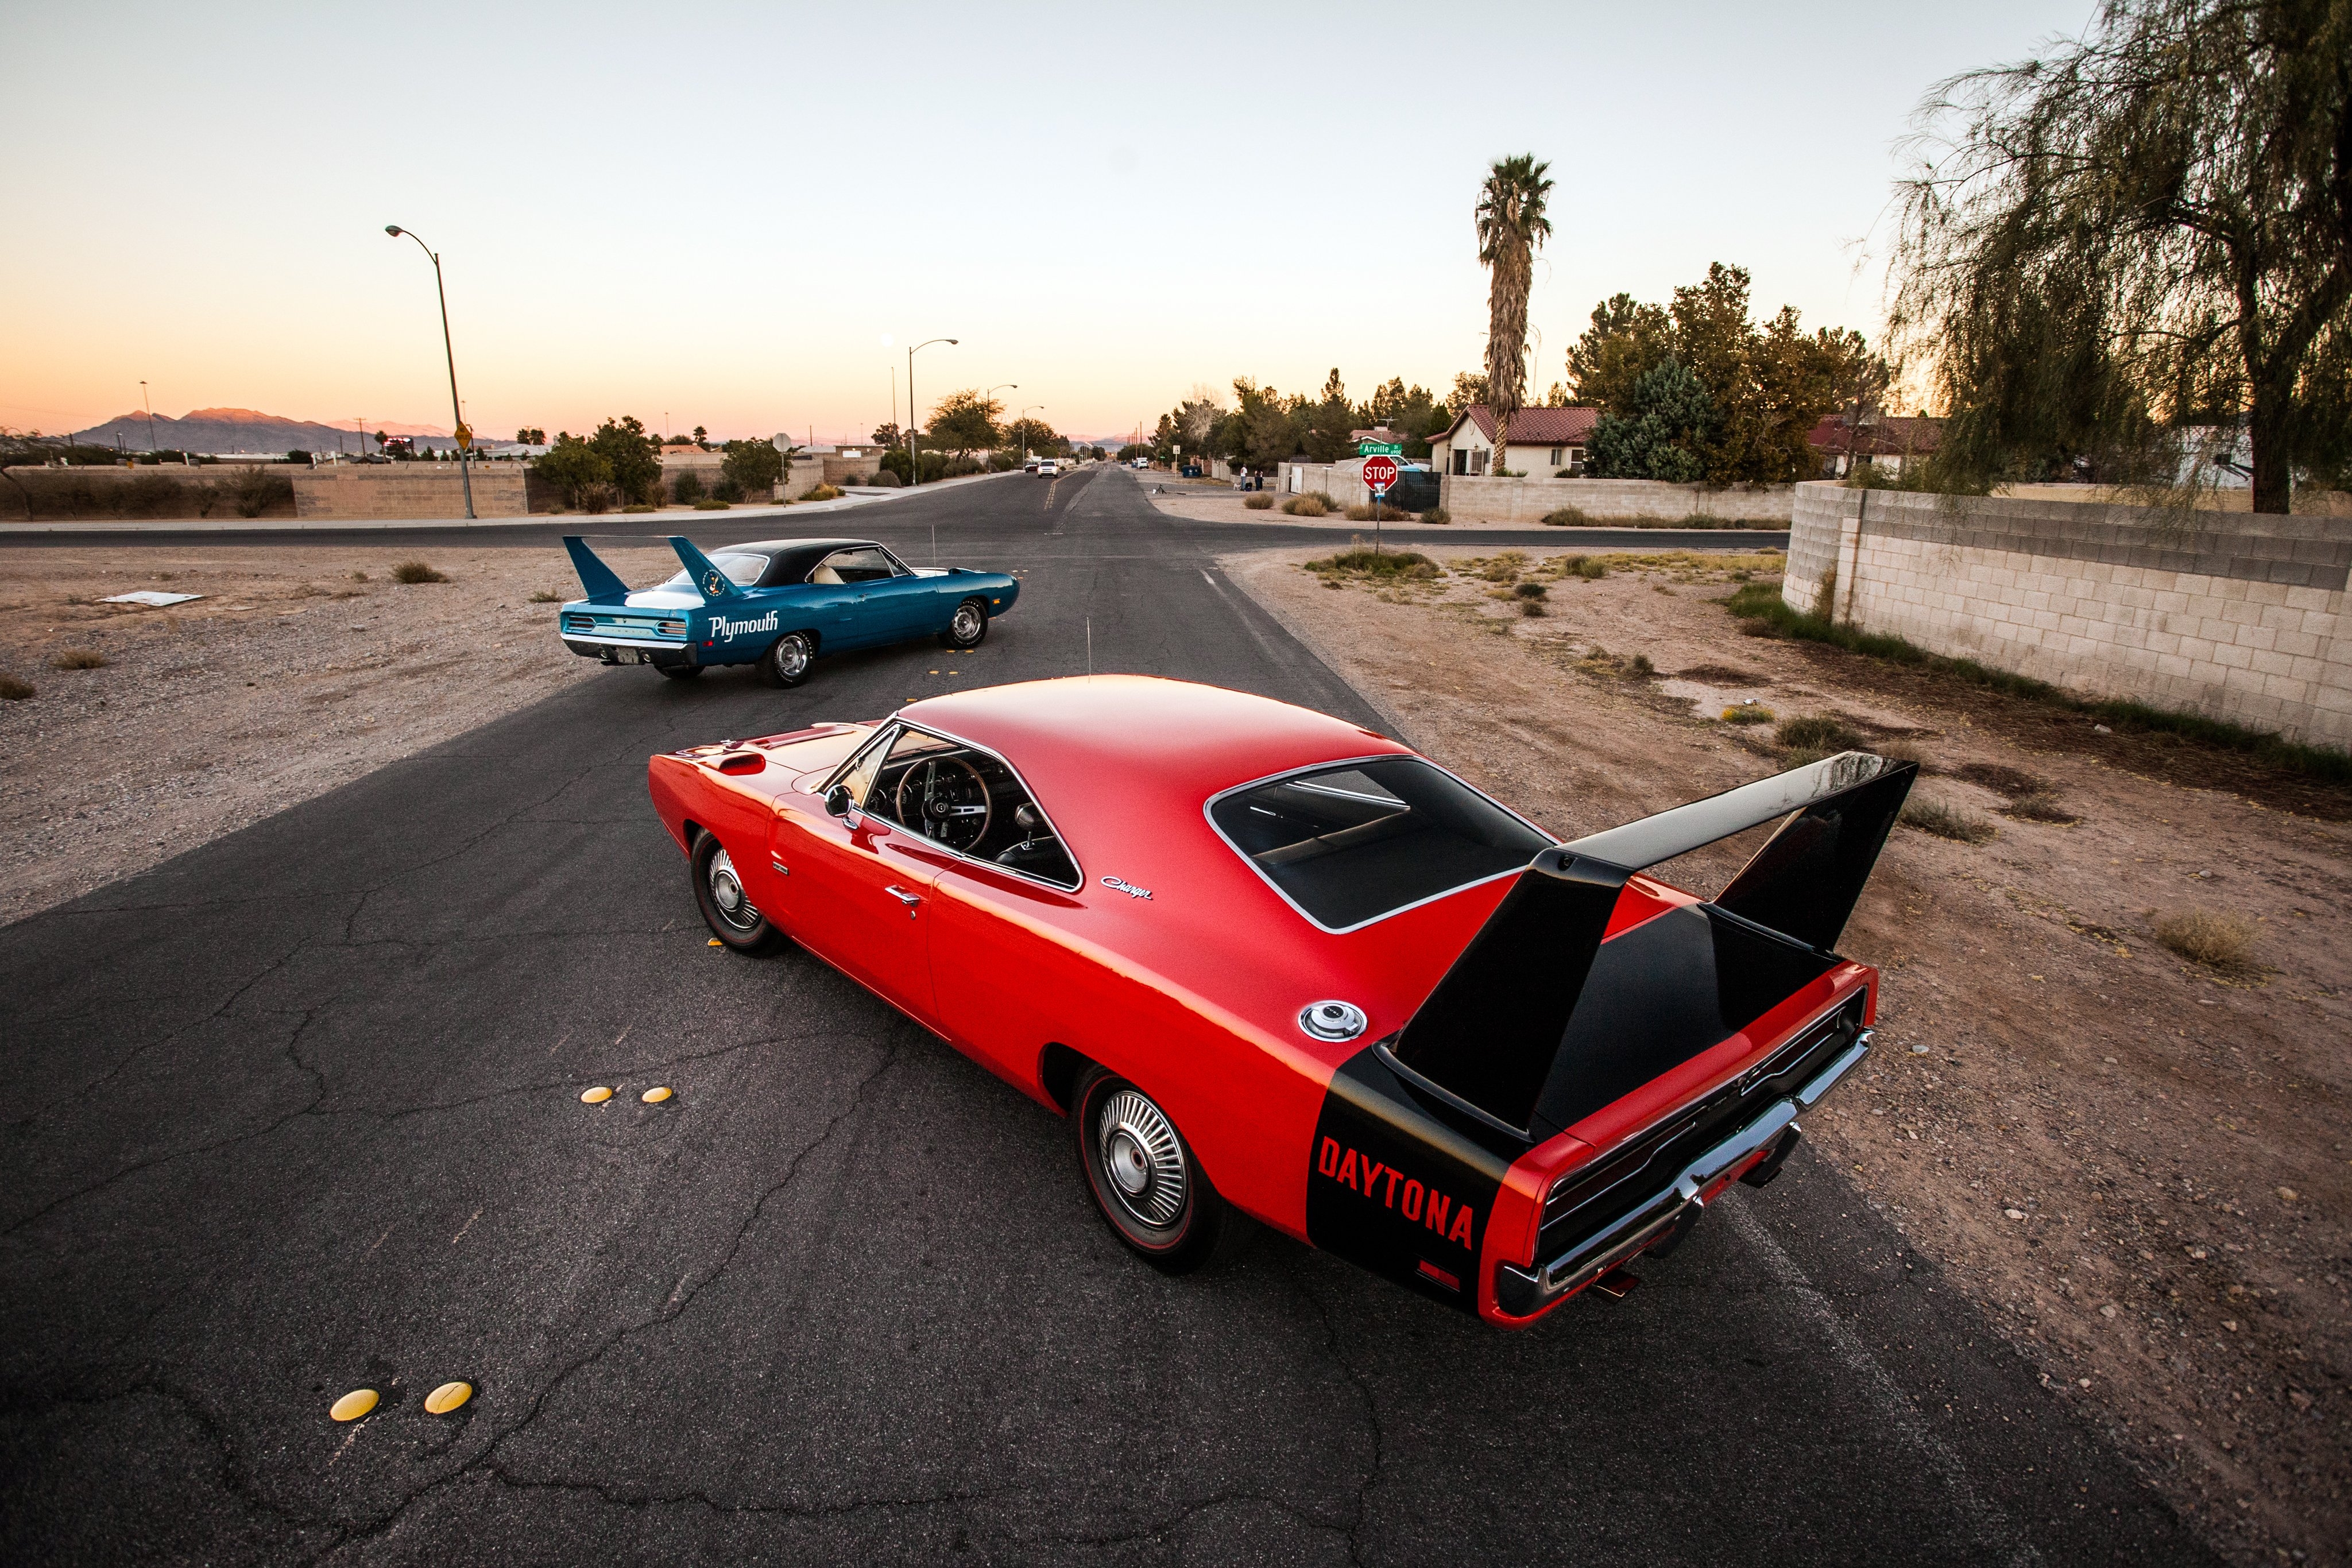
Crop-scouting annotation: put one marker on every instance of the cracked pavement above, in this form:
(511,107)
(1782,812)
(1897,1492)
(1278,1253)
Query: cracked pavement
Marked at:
(298,1111)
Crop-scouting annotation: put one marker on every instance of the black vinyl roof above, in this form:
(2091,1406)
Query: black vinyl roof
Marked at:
(790,560)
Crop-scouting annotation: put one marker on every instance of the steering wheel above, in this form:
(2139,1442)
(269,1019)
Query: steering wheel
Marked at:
(945,800)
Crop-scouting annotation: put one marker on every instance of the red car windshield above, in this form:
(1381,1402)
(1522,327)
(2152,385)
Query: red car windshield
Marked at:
(1350,843)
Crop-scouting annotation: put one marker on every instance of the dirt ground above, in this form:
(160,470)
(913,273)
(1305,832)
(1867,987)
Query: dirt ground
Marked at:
(299,669)
(2138,1166)
(1183,500)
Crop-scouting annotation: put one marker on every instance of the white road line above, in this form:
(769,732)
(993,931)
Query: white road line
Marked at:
(1993,1528)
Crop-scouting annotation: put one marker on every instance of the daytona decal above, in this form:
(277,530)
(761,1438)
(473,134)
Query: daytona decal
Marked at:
(730,629)
(1392,1189)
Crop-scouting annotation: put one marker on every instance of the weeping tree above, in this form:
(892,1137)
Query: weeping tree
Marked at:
(1511,227)
(2147,229)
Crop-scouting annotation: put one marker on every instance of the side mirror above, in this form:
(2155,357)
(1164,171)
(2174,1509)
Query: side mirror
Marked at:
(837,801)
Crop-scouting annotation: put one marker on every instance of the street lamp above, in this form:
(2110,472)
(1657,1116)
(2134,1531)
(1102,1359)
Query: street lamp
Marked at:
(457,410)
(914,453)
(1022,419)
(1001,386)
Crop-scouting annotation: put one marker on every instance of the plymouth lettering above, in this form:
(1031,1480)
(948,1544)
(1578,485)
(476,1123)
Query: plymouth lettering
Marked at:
(730,629)
(1391,1188)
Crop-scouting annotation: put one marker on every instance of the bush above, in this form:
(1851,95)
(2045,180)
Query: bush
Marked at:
(1437,515)
(1388,514)
(686,488)
(1567,518)
(639,506)
(2219,941)
(887,478)
(1394,563)
(2039,806)
(824,493)
(152,495)
(1360,513)
(1643,667)
(1583,566)
(1305,507)
(713,504)
(576,471)
(545,597)
(1531,608)
(79,659)
(1818,732)
(1530,589)
(1748,713)
(752,468)
(415,571)
(1258,501)
(257,489)
(14,690)
(727,491)
(1945,821)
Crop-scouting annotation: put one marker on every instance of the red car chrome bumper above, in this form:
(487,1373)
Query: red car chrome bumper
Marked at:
(1526,1292)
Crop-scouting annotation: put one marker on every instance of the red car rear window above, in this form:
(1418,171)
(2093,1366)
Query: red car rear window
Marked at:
(1349,843)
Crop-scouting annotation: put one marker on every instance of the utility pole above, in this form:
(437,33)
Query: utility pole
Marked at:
(914,455)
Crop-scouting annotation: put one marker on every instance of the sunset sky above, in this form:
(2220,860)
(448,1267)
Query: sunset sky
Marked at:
(724,216)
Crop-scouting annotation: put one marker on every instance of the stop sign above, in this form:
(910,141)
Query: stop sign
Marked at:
(1380,472)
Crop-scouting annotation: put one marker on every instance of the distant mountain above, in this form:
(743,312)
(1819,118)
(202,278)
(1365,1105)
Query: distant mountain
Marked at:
(235,430)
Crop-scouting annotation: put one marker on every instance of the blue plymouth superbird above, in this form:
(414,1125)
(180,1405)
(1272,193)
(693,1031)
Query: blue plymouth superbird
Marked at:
(778,604)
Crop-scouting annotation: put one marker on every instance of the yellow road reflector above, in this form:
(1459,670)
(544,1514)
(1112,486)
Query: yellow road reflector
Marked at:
(353,1406)
(596,1096)
(447,1397)
(655,1096)
(714,942)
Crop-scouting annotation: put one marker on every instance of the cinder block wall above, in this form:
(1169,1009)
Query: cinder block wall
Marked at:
(2231,615)
(1526,500)
(407,490)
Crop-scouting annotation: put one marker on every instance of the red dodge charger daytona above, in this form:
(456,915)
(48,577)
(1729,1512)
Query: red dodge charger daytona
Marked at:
(1266,960)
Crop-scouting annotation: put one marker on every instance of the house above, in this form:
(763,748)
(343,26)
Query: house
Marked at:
(1544,443)
(1876,440)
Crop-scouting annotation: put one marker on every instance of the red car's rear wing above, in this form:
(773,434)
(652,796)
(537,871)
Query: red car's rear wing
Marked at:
(1536,1025)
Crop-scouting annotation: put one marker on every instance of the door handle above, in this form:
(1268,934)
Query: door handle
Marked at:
(903,896)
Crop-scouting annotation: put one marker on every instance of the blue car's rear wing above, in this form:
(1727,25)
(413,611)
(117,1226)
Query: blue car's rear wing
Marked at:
(1536,1024)
(599,579)
(708,581)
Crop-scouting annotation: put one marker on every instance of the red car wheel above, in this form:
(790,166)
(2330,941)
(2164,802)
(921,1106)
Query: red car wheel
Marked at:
(727,908)
(1142,1175)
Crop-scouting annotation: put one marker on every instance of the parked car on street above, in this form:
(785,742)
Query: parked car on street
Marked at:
(1269,963)
(778,604)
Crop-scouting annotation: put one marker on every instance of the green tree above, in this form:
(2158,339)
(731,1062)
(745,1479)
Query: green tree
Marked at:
(1626,338)
(1665,432)
(2150,225)
(577,471)
(1032,435)
(887,435)
(1511,228)
(632,455)
(965,422)
(1322,426)
(1265,427)
(754,468)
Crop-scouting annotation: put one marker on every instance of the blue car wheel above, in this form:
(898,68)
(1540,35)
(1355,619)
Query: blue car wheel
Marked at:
(788,660)
(968,627)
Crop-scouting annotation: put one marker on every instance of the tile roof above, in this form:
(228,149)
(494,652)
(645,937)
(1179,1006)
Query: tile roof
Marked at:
(1536,426)
(1886,436)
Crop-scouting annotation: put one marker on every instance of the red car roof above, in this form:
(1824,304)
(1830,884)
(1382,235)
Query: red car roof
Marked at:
(1127,747)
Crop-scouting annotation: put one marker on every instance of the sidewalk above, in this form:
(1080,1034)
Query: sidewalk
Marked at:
(865,496)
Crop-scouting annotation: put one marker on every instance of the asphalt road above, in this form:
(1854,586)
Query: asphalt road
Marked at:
(298,1113)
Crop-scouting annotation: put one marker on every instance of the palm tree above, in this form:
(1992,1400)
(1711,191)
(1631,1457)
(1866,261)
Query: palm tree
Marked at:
(1511,225)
